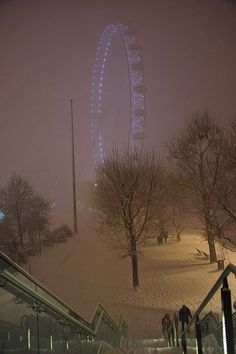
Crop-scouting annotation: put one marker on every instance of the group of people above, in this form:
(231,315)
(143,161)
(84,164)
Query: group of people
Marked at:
(162,236)
(170,326)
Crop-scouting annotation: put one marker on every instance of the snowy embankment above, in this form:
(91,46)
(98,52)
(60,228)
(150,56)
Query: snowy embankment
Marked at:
(83,272)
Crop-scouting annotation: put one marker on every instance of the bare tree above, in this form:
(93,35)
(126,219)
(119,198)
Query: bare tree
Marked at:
(198,154)
(15,201)
(127,188)
(25,211)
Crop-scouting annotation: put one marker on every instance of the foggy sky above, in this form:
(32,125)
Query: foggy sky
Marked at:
(47,57)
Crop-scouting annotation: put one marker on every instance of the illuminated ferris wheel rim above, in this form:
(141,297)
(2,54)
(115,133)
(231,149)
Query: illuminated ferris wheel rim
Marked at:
(136,89)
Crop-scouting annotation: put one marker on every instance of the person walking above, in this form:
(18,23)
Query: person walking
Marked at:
(167,329)
(160,239)
(165,232)
(184,316)
(175,325)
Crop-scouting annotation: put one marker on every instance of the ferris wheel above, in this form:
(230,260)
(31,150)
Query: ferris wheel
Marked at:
(136,90)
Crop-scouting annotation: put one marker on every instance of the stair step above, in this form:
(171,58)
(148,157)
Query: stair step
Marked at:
(167,350)
(153,343)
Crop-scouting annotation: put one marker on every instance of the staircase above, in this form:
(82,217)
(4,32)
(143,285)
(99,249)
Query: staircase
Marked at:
(141,346)
(32,319)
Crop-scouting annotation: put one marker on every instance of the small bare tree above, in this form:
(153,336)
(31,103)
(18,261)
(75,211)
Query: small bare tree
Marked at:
(25,211)
(15,201)
(127,188)
(198,153)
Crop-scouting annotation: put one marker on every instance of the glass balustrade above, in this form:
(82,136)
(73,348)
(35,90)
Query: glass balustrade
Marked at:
(33,320)
(28,325)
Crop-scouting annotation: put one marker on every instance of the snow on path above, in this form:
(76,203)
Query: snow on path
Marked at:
(83,272)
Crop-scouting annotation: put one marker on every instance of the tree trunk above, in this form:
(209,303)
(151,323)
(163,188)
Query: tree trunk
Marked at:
(209,232)
(40,243)
(21,239)
(20,233)
(212,251)
(135,269)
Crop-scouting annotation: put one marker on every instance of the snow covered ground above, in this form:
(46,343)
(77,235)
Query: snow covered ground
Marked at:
(83,272)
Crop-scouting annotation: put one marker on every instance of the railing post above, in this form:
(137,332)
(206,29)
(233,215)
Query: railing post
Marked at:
(198,336)
(227,323)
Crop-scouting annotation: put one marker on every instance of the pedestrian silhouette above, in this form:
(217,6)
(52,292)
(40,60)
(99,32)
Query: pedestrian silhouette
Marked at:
(184,316)
(165,233)
(175,325)
(161,236)
(160,239)
(167,329)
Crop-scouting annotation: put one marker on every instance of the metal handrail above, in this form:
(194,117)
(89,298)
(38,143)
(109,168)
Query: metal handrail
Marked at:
(9,278)
(14,265)
(213,318)
(111,321)
(71,315)
(229,269)
(101,316)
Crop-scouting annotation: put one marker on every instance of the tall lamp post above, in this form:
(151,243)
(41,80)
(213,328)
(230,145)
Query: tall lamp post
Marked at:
(73,168)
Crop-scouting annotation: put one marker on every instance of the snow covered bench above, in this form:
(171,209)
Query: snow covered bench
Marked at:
(202,253)
(205,254)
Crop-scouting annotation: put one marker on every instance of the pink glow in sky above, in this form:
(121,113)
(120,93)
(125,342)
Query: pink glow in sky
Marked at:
(47,57)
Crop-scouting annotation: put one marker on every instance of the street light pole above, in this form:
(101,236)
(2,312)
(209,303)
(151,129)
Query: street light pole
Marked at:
(73,168)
